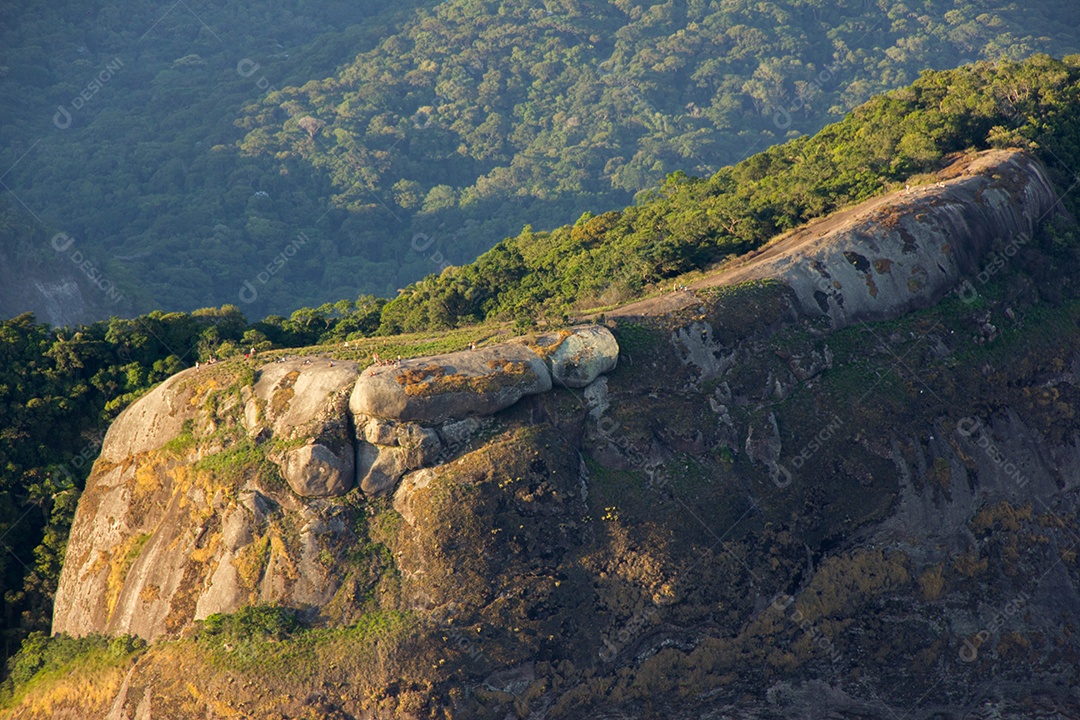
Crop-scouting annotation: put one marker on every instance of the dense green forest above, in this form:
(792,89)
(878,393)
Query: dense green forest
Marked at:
(59,388)
(203,154)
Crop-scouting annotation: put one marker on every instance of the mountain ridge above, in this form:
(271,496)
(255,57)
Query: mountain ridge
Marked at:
(631,451)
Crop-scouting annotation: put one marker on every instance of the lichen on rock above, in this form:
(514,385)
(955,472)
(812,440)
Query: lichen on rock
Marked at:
(452,386)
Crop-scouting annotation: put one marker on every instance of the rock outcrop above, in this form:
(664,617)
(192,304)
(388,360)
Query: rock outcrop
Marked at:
(876,519)
(577,357)
(182,515)
(433,390)
(898,252)
(909,252)
(306,401)
(436,390)
(220,489)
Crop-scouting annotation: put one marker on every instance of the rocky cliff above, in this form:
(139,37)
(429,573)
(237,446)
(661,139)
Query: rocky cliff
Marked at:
(769,507)
(227,485)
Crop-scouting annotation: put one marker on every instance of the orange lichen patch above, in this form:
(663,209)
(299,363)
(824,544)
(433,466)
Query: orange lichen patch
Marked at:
(122,560)
(284,392)
(417,376)
(870,286)
(198,700)
(433,380)
(150,593)
(932,583)
(889,217)
(545,350)
(204,554)
(250,561)
(147,479)
(100,563)
(202,390)
(883,265)
(282,562)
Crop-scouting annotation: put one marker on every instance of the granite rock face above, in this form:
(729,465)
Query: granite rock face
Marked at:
(155,419)
(193,506)
(471,383)
(433,390)
(906,251)
(306,400)
(315,470)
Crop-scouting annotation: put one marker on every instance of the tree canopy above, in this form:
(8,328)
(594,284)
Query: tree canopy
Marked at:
(294,155)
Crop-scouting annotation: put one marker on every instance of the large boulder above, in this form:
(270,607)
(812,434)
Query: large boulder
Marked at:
(433,390)
(387,449)
(306,399)
(380,468)
(420,445)
(577,356)
(290,397)
(314,470)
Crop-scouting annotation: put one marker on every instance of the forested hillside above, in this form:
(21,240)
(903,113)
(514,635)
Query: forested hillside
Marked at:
(274,158)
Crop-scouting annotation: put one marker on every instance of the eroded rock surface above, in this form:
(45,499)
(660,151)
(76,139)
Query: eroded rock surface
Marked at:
(470,383)
(906,251)
(193,506)
(155,419)
(186,514)
(436,389)
(306,400)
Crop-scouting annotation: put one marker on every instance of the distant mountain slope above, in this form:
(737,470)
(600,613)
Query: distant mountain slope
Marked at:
(691,223)
(366,157)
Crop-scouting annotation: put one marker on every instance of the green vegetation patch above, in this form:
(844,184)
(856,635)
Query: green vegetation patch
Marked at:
(45,659)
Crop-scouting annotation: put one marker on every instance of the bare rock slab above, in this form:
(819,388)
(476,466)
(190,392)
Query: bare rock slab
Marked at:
(577,356)
(434,390)
(315,470)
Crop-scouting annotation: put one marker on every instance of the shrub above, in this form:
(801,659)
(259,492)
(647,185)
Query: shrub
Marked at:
(256,622)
